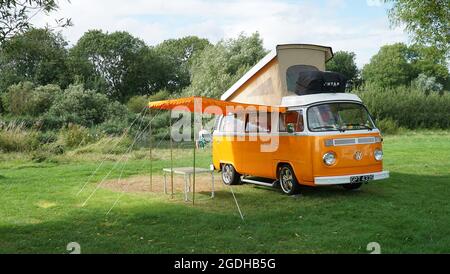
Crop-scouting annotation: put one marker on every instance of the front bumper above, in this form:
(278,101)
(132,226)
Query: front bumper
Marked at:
(340,180)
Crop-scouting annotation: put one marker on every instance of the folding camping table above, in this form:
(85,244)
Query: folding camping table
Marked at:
(187,173)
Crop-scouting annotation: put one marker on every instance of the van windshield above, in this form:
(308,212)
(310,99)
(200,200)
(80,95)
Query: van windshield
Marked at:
(339,117)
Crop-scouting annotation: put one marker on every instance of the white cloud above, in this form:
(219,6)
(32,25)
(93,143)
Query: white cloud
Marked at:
(277,21)
(374,3)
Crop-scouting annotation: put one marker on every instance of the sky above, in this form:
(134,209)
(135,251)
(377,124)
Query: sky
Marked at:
(360,26)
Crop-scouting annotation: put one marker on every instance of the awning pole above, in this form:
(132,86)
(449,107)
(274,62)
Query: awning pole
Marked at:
(171,154)
(151,157)
(195,146)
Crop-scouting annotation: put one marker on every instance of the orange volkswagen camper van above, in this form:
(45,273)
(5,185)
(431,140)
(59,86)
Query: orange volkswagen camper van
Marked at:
(325,136)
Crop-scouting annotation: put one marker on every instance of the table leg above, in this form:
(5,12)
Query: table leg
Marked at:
(212,177)
(185,189)
(190,183)
(165,183)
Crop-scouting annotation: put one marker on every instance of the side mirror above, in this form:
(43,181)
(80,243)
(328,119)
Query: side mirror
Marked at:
(290,128)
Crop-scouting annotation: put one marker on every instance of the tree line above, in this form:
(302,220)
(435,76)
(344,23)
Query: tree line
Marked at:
(105,79)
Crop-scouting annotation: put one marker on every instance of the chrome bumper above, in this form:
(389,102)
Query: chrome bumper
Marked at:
(340,180)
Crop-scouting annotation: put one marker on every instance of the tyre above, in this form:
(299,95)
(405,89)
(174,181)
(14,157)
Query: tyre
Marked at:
(352,186)
(288,182)
(229,175)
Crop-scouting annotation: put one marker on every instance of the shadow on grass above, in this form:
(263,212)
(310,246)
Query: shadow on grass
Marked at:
(382,189)
(145,226)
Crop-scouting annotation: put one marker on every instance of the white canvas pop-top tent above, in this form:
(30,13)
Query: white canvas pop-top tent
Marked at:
(270,79)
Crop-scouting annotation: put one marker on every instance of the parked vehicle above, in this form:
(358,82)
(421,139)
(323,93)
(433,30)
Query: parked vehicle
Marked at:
(326,136)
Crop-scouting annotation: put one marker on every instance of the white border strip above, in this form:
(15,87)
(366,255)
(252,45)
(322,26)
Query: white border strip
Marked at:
(339,180)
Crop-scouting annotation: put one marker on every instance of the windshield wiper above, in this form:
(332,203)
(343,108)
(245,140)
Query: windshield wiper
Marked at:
(326,127)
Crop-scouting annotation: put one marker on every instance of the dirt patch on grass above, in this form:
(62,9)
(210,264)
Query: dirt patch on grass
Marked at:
(45,204)
(140,184)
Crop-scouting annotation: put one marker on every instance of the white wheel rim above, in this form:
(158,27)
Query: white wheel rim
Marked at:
(227,174)
(286,180)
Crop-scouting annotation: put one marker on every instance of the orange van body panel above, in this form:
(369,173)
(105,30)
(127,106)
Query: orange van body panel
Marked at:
(303,153)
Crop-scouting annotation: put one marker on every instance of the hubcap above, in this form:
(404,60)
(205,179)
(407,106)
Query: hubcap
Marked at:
(286,180)
(227,174)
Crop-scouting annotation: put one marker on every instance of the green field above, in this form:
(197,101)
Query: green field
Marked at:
(409,213)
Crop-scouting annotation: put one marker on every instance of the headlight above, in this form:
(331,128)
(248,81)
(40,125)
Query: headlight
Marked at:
(329,158)
(378,154)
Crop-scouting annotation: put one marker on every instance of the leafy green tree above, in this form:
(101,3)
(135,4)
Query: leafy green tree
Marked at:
(398,64)
(25,99)
(390,66)
(117,63)
(179,55)
(15,15)
(17,99)
(430,62)
(38,56)
(344,63)
(79,106)
(219,66)
(244,51)
(428,21)
(427,84)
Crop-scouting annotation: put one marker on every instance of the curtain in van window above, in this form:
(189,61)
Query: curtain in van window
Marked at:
(291,117)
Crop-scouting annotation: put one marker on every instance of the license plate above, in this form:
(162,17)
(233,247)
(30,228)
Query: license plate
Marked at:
(361,179)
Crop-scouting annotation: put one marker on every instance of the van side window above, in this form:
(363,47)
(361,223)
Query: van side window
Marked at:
(217,122)
(252,123)
(294,118)
(258,122)
(264,122)
(232,124)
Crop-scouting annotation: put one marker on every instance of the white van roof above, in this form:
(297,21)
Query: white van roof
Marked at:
(304,100)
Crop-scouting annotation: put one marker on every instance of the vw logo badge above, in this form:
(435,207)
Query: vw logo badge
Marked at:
(358,156)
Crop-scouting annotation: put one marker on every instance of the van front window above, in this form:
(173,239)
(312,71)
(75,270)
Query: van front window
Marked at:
(339,117)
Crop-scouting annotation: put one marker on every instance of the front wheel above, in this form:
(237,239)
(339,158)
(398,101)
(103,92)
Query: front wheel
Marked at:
(288,181)
(229,175)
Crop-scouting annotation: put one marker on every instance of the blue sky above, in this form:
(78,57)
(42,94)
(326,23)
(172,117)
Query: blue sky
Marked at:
(360,26)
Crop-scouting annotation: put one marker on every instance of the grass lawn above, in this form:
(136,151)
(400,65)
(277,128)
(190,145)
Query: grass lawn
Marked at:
(40,211)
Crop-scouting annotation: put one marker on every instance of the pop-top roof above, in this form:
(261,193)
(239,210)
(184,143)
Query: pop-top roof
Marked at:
(269,57)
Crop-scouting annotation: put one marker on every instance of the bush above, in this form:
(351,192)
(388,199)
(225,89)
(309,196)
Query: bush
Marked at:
(113,127)
(42,99)
(47,137)
(51,122)
(24,99)
(117,111)
(79,106)
(15,138)
(408,107)
(136,104)
(388,126)
(17,98)
(75,135)
(55,148)
(83,107)
(27,122)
